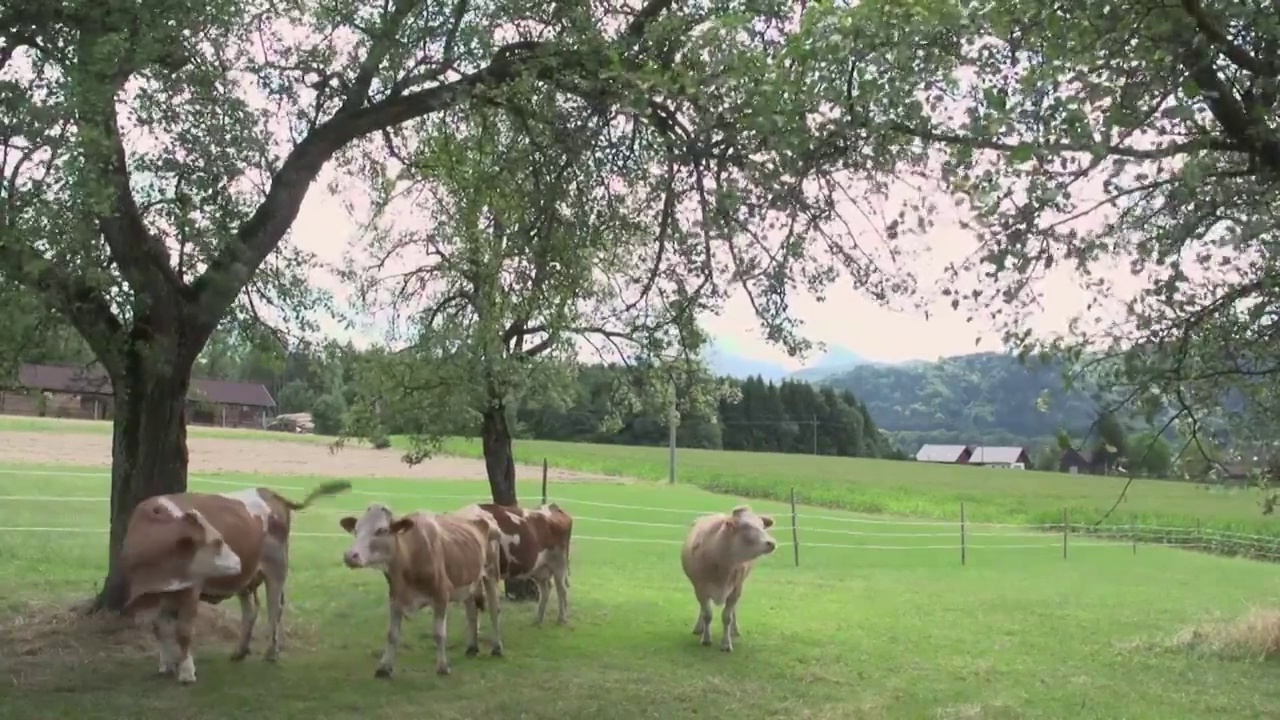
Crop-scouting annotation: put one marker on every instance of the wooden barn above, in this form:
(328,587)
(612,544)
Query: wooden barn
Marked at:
(75,391)
(957,454)
(1000,456)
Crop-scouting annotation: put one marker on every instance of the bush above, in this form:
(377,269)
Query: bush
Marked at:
(380,441)
(327,414)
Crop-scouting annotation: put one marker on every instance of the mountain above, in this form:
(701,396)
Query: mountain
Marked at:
(836,361)
(723,361)
(988,398)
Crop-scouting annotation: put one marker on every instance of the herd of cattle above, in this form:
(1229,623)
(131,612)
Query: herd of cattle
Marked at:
(186,548)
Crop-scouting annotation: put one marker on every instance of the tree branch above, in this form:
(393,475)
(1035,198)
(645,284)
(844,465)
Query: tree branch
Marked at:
(382,44)
(140,255)
(239,258)
(1229,49)
(1247,133)
(84,306)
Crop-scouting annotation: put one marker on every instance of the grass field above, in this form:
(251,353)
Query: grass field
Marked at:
(861,485)
(854,632)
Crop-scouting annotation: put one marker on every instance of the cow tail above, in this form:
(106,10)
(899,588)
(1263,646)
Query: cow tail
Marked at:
(324,489)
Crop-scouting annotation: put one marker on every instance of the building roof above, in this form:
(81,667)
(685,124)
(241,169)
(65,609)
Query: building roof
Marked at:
(996,454)
(93,380)
(940,453)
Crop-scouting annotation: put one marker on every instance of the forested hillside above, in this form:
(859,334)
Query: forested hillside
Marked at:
(984,397)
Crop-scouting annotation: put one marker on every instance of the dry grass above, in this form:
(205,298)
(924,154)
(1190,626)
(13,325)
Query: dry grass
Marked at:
(1253,636)
(39,638)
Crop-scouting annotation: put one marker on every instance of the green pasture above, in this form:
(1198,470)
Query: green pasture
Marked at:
(857,631)
(862,485)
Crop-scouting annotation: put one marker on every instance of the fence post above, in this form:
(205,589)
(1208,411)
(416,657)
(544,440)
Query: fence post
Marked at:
(1198,539)
(544,481)
(962,540)
(1066,530)
(795,535)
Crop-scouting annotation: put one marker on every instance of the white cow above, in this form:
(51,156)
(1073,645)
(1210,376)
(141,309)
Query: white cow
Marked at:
(717,556)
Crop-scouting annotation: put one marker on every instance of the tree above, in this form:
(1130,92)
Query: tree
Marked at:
(142,228)
(1094,136)
(1148,454)
(530,252)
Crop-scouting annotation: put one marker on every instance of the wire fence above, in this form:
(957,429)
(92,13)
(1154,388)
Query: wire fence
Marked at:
(809,529)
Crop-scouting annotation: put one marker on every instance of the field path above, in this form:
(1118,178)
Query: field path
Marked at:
(268,457)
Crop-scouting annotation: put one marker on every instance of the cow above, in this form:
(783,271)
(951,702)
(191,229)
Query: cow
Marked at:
(430,559)
(181,549)
(535,545)
(717,556)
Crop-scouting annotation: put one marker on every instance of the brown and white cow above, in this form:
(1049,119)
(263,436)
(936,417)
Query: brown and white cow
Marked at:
(430,559)
(184,548)
(535,545)
(717,557)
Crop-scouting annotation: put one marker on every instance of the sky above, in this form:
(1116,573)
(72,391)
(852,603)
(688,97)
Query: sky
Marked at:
(846,318)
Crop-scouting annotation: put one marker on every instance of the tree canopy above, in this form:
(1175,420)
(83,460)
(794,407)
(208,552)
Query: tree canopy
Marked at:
(1139,136)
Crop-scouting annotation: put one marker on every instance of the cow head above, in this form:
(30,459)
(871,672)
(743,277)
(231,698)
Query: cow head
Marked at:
(374,533)
(748,534)
(171,550)
(211,557)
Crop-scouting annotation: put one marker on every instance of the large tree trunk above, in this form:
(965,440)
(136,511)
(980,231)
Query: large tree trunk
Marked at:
(500,464)
(149,451)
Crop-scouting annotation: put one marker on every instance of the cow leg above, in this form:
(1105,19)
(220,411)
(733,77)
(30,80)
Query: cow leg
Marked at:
(166,636)
(703,625)
(562,595)
(495,615)
(393,642)
(729,618)
(473,626)
(440,613)
(248,616)
(276,569)
(544,594)
(183,631)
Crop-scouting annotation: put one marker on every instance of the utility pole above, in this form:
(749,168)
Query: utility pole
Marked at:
(672,421)
(815,433)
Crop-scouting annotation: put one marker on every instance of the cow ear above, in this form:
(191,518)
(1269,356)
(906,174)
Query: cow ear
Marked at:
(767,520)
(401,525)
(348,523)
(741,510)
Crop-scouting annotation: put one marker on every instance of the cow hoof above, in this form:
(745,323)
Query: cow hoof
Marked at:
(239,655)
(271,656)
(496,652)
(442,671)
(726,648)
(383,673)
(473,651)
(706,641)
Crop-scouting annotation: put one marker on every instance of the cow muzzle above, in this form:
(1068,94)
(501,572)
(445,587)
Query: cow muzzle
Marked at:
(770,545)
(352,559)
